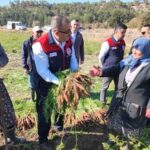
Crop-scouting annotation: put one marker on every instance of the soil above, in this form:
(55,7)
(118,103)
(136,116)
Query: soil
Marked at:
(88,136)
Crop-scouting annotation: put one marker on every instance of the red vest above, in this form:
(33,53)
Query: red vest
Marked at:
(115,53)
(58,60)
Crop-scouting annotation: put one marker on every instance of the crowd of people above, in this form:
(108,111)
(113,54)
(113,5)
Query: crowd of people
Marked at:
(61,48)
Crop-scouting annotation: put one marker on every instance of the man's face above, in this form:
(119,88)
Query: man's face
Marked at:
(74,26)
(144,30)
(120,33)
(37,34)
(63,34)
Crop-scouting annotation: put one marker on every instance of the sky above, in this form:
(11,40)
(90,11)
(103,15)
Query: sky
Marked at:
(6,2)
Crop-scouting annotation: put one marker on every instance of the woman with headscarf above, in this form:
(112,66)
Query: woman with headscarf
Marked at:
(131,101)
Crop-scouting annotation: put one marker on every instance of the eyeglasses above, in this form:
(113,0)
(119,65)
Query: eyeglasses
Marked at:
(123,32)
(65,32)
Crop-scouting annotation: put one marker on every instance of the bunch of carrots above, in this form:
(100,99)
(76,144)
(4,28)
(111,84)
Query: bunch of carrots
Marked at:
(97,116)
(73,87)
(27,122)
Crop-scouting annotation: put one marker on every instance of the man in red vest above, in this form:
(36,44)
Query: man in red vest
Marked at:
(111,53)
(52,52)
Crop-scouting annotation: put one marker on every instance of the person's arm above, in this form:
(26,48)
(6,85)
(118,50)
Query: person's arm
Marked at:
(105,72)
(42,64)
(111,71)
(24,56)
(73,64)
(82,50)
(3,57)
(103,52)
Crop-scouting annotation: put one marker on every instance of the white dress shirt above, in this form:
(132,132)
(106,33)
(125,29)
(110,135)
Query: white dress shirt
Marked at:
(73,35)
(103,52)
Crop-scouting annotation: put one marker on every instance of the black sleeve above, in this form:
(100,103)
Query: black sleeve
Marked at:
(82,50)
(3,57)
(24,56)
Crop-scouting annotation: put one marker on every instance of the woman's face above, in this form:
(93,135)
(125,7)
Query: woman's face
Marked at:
(136,53)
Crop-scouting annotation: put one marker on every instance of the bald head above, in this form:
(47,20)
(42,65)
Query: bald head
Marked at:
(58,22)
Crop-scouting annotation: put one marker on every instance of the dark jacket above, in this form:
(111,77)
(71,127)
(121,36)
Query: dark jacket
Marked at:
(79,47)
(135,98)
(26,54)
(3,57)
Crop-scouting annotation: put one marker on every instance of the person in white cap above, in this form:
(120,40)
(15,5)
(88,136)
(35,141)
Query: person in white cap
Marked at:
(26,57)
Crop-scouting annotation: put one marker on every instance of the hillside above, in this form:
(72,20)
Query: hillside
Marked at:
(103,14)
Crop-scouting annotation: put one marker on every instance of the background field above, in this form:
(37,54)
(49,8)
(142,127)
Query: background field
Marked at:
(16,81)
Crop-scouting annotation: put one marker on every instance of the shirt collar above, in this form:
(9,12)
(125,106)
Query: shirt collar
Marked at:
(74,34)
(115,39)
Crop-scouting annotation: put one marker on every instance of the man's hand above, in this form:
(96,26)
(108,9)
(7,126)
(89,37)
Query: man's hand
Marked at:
(147,115)
(96,71)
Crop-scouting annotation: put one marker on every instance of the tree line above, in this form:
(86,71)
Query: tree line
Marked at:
(31,12)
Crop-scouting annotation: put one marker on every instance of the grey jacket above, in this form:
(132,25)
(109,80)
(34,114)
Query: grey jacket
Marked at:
(3,57)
